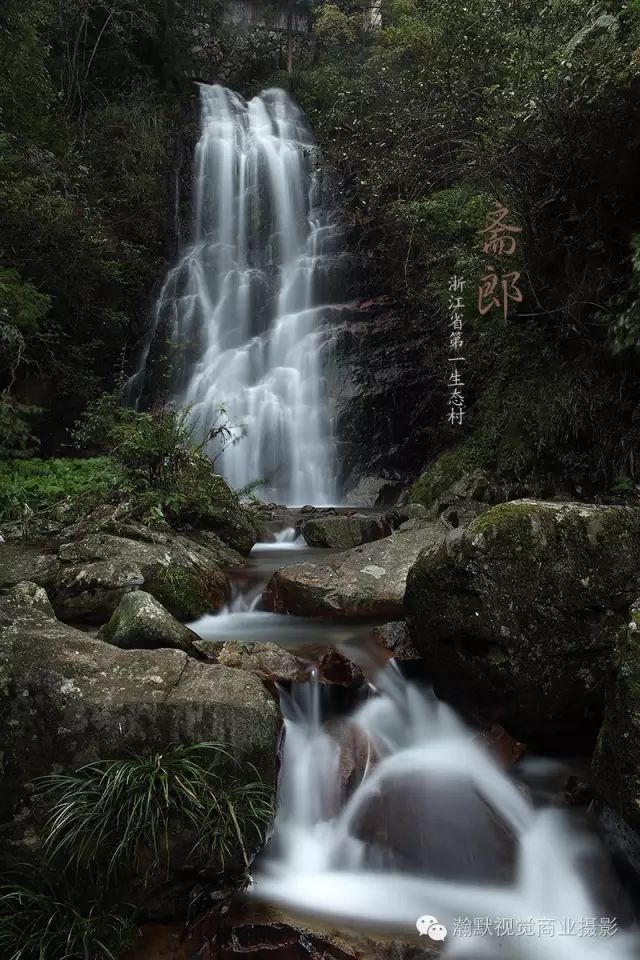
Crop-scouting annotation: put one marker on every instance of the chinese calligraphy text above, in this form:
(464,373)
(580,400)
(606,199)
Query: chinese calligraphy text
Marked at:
(455,380)
(499,241)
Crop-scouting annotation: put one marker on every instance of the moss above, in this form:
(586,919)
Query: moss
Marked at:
(616,760)
(443,472)
(109,630)
(189,593)
(515,517)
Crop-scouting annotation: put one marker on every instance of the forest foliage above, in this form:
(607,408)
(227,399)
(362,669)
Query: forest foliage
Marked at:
(429,118)
(449,107)
(91,95)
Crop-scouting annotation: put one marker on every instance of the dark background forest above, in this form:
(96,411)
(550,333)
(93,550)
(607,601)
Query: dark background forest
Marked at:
(427,120)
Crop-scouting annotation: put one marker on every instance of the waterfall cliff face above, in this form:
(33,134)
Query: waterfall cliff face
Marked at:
(247,306)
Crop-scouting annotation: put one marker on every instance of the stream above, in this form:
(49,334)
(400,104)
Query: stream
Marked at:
(395,820)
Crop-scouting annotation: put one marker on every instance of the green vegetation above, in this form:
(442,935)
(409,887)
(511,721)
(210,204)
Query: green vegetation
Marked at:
(111,826)
(38,922)
(48,486)
(158,457)
(121,815)
(150,461)
(448,107)
(90,97)
(443,472)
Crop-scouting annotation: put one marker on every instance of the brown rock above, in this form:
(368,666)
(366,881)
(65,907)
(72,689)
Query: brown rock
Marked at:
(366,582)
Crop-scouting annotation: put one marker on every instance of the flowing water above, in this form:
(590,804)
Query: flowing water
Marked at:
(398,811)
(248,304)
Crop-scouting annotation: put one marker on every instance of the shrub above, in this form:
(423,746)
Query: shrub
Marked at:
(16,437)
(160,456)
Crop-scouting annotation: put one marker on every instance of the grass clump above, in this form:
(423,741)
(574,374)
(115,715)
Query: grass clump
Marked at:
(112,827)
(124,815)
(37,922)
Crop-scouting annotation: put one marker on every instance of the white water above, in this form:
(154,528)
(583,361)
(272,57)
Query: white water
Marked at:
(460,839)
(246,304)
(426,822)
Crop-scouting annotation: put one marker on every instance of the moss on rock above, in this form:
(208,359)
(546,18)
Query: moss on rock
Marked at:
(140,622)
(460,467)
(189,591)
(520,611)
(344,532)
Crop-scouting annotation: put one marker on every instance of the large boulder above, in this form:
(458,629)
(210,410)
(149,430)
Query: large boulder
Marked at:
(96,564)
(67,700)
(366,582)
(518,612)
(616,762)
(344,532)
(141,623)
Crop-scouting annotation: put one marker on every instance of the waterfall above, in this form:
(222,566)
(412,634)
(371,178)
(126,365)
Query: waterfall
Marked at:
(246,307)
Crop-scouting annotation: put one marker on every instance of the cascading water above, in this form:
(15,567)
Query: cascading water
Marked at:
(399,811)
(433,827)
(246,304)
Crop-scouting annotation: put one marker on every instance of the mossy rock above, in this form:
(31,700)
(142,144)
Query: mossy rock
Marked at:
(458,468)
(226,517)
(67,699)
(88,575)
(343,533)
(188,591)
(140,622)
(519,612)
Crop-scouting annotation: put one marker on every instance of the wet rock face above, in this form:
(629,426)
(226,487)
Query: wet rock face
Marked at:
(366,582)
(98,563)
(616,763)
(385,397)
(67,699)
(266,660)
(395,639)
(519,612)
(344,532)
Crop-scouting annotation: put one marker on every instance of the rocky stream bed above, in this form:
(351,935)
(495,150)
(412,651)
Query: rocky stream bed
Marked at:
(117,639)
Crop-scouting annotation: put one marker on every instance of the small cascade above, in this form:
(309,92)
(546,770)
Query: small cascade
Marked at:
(396,810)
(433,828)
(247,306)
(288,535)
